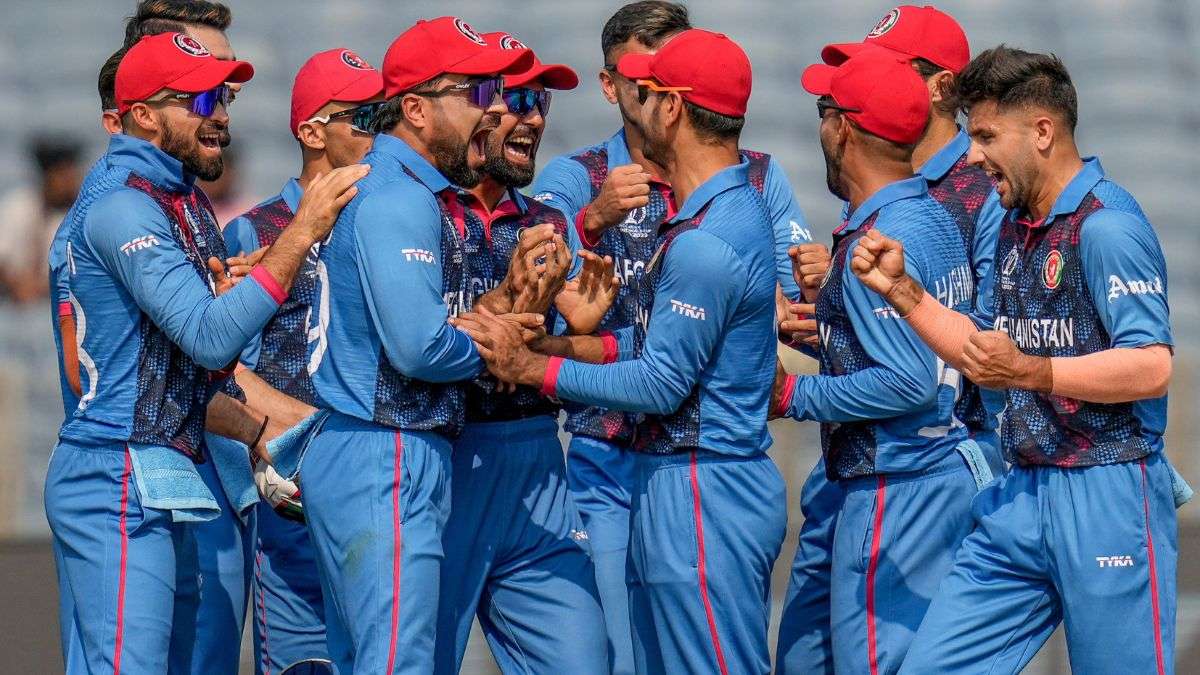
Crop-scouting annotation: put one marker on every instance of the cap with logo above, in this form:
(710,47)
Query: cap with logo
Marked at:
(551,75)
(917,32)
(333,75)
(888,97)
(172,61)
(446,45)
(715,67)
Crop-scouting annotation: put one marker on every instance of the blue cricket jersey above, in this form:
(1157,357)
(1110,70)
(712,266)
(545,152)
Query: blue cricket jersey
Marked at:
(1088,277)
(150,329)
(570,182)
(705,347)
(391,273)
(884,400)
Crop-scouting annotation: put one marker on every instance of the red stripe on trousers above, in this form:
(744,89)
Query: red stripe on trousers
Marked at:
(701,570)
(124,563)
(396,473)
(872,567)
(1158,647)
(262,607)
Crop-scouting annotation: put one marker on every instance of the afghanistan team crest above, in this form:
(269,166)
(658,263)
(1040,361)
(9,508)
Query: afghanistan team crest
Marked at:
(354,60)
(189,45)
(1052,270)
(885,24)
(469,33)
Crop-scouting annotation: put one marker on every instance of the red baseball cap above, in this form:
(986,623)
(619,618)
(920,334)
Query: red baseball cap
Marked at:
(889,98)
(445,45)
(333,75)
(551,75)
(172,61)
(918,32)
(715,67)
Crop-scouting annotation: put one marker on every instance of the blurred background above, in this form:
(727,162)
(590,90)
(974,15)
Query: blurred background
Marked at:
(1136,65)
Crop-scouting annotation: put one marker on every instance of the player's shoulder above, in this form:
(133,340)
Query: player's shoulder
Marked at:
(1113,197)
(544,212)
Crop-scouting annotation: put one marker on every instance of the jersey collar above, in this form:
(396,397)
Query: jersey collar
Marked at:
(427,173)
(943,160)
(291,194)
(1089,175)
(893,192)
(725,179)
(148,161)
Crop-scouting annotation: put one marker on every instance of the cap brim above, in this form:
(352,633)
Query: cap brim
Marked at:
(635,66)
(816,79)
(493,62)
(366,87)
(838,53)
(551,75)
(211,74)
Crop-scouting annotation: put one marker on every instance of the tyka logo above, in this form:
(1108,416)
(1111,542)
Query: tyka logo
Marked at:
(139,244)
(690,311)
(417,254)
(1114,560)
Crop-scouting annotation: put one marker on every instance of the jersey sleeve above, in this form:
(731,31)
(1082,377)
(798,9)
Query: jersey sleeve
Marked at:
(564,185)
(678,345)
(399,254)
(983,258)
(901,378)
(1127,277)
(789,225)
(132,238)
(241,237)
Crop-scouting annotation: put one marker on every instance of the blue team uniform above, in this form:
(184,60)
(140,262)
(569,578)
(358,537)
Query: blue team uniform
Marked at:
(515,548)
(376,477)
(805,646)
(600,472)
(908,468)
(288,611)
(1083,528)
(130,484)
(708,514)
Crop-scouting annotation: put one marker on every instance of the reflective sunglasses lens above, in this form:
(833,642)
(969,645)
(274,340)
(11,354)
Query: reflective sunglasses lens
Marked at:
(364,117)
(484,92)
(204,103)
(519,101)
(543,102)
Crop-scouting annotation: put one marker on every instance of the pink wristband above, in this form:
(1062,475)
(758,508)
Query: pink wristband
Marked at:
(269,284)
(587,241)
(785,401)
(550,378)
(612,350)
(65,309)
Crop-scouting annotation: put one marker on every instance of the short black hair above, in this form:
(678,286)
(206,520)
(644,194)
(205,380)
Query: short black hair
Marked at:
(1014,77)
(649,21)
(49,152)
(712,126)
(927,69)
(106,84)
(167,16)
(388,116)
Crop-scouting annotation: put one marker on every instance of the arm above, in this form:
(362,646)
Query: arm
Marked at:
(228,417)
(241,237)
(404,290)
(564,185)
(268,400)
(789,225)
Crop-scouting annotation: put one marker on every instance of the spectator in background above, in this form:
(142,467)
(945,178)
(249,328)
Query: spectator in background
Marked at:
(225,193)
(29,216)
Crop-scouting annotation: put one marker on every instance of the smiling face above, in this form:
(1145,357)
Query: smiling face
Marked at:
(511,150)
(459,131)
(193,140)
(1004,143)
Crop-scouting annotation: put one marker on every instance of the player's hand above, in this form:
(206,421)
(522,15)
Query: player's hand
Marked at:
(529,254)
(501,344)
(585,300)
(545,274)
(800,328)
(878,262)
(223,282)
(626,188)
(239,266)
(810,262)
(324,199)
(991,359)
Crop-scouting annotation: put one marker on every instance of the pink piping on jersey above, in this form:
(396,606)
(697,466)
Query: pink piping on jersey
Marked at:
(269,284)
(785,401)
(702,569)
(397,470)
(587,241)
(120,636)
(65,309)
(262,608)
(550,378)
(872,569)
(1158,645)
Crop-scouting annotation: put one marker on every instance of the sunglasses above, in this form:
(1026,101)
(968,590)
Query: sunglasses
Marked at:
(647,86)
(825,103)
(522,100)
(361,118)
(202,103)
(480,92)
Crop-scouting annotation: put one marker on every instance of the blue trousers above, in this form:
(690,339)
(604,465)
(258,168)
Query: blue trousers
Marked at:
(516,555)
(1092,547)
(289,612)
(376,500)
(705,531)
(601,476)
(144,594)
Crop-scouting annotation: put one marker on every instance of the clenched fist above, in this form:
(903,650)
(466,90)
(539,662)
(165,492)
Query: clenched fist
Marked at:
(626,188)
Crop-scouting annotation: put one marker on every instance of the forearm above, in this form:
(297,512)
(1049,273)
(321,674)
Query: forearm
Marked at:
(869,394)
(231,418)
(635,386)
(1116,375)
(215,332)
(265,399)
(598,349)
(943,329)
(70,351)
(286,255)
(498,300)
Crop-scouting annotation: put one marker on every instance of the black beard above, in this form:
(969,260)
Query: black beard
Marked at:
(186,149)
(505,172)
(450,157)
(833,173)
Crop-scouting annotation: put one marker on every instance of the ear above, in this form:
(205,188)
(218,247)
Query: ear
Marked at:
(111,122)
(938,85)
(671,109)
(415,110)
(144,117)
(608,86)
(311,136)
(1044,130)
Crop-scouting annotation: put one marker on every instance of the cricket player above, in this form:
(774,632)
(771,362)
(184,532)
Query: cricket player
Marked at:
(708,515)
(384,360)
(617,199)
(1077,332)
(334,96)
(130,476)
(516,552)
(937,47)
(886,405)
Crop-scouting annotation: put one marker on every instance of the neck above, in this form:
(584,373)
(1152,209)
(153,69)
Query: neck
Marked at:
(414,141)
(489,192)
(1063,165)
(871,175)
(694,163)
(941,130)
(634,140)
(314,163)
